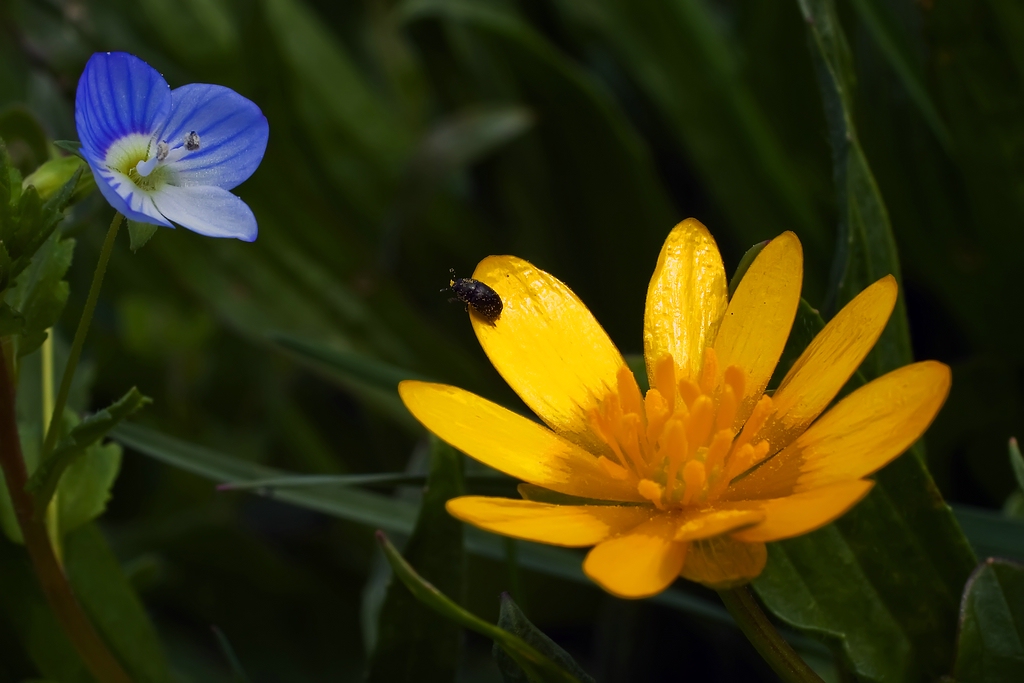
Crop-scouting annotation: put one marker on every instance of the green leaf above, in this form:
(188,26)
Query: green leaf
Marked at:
(238,674)
(113,606)
(690,66)
(140,233)
(91,489)
(70,146)
(990,646)
(1017,463)
(539,668)
(414,643)
(512,619)
(24,609)
(373,380)
(86,486)
(26,221)
(882,582)
(895,45)
(376,510)
(40,292)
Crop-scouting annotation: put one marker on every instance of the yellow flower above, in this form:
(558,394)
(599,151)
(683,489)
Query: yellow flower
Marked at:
(695,477)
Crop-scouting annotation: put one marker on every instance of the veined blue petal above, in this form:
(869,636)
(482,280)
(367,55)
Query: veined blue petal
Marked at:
(118,94)
(126,197)
(208,210)
(232,132)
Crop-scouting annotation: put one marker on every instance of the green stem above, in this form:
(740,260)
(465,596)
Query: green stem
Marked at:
(54,583)
(53,430)
(766,640)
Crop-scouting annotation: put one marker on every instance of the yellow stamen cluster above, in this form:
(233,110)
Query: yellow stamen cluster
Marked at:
(684,441)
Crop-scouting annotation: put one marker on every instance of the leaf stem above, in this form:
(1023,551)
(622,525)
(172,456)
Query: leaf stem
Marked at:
(765,638)
(54,583)
(53,430)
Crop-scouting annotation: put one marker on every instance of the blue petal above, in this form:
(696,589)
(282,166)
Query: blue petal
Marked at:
(126,197)
(232,133)
(118,94)
(208,210)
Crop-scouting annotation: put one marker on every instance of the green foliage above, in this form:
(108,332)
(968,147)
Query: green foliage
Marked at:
(26,222)
(140,233)
(538,667)
(409,138)
(513,620)
(92,481)
(415,643)
(113,605)
(905,557)
(990,646)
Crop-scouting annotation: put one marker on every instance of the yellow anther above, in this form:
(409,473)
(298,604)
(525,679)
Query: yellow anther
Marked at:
(700,422)
(689,390)
(675,448)
(760,452)
(629,392)
(728,404)
(694,477)
(652,491)
(614,470)
(630,442)
(709,375)
(657,413)
(735,378)
(718,450)
(607,433)
(665,380)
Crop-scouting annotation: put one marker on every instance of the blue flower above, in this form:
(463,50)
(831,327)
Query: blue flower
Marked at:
(169,156)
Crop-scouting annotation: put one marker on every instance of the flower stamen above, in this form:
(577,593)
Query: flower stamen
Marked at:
(680,451)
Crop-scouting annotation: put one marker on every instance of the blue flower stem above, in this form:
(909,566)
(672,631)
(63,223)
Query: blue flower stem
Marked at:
(768,642)
(53,431)
(54,582)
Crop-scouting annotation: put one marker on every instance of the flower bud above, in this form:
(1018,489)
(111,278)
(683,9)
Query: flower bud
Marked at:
(52,175)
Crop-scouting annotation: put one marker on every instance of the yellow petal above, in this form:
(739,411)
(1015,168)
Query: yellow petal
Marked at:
(801,513)
(511,443)
(708,522)
(722,562)
(685,300)
(828,362)
(860,435)
(760,315)
(573,526)
(548,347)
(640,563)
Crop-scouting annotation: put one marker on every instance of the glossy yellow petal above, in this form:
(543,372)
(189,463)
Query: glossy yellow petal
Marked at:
(801,513)
(566,525)
(640,563)
(700,524)
(685,300)
(723,562)
(860,435)
(548,347)
(828,362)
(760,315)
(511,443)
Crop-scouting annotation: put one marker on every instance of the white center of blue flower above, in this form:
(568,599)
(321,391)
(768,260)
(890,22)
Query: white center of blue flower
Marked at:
(146,160)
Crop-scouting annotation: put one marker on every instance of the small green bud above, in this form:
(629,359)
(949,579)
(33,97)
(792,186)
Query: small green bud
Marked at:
(52,175)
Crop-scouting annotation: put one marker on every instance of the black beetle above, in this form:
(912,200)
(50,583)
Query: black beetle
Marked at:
(478,296)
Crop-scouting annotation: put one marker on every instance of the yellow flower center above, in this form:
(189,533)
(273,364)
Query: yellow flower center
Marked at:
(682,442)
(146,161)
